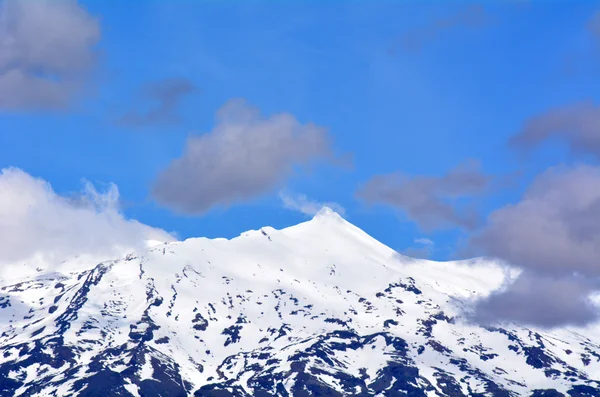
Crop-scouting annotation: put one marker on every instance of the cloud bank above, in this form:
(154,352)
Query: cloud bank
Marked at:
(554,228)
(553,234)
(244,156)
(46,50)
(37,224)
(539,300)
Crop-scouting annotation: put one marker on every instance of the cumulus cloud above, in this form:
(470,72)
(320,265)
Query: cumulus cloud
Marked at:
(539,300)
(38,224)
(166,96)
(46,49)
(577,124)
(301,203)
(553,234)
(553,229)
(430,201)
(473,16)
(244,156)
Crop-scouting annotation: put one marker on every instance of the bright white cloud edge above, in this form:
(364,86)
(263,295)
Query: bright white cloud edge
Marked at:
(40,228)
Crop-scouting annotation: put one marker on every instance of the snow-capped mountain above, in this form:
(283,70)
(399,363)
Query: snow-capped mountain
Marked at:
(317,309)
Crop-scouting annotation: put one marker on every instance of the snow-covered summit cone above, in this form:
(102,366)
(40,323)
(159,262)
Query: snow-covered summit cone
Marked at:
(327,213)
(320,308)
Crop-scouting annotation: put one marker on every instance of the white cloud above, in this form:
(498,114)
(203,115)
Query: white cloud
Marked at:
(38,225)
(301,203)
(424,241)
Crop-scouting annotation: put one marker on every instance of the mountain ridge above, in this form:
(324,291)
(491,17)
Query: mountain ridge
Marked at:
(319,308)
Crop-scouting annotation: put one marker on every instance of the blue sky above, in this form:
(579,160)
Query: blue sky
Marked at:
(422,111)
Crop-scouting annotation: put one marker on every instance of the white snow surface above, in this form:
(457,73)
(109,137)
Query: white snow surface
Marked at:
(300,279)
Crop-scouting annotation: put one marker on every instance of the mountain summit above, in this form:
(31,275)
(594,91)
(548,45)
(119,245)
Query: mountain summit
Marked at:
(316,309)
(327,212)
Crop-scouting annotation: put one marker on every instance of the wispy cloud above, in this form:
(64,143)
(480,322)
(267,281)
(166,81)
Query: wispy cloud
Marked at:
(166,96)
(423,249)
(593,25)
(578,125)
(424,241)
(473,16)
(301,203)
(430,201)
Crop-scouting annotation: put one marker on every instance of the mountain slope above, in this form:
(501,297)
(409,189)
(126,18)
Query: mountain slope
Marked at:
(317,309)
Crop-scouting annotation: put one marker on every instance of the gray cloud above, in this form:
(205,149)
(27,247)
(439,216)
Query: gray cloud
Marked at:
(577,124)
(539,300)
(553,234)
(554,229)
(473,16)
(244,156)
(166,95)
(46,50)
(431,202)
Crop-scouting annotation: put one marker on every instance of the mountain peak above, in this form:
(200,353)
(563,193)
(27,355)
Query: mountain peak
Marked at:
(319,303)
(327,212)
